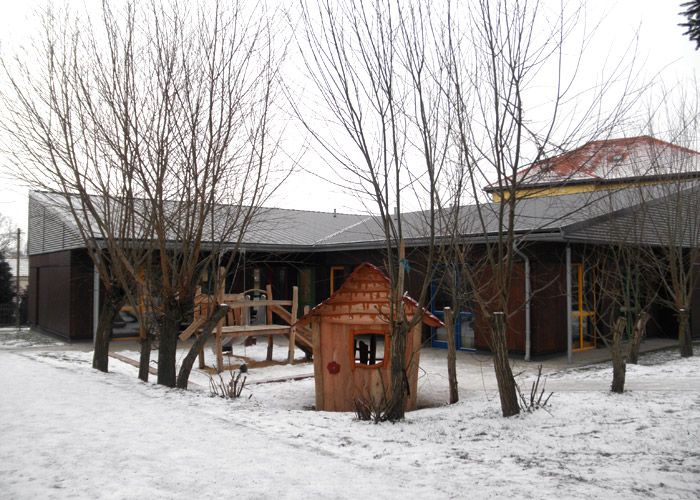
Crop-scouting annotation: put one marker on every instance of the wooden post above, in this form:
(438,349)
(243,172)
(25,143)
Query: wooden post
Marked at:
(202,364)
(268,310)
(402,269)
(244,314)
(451,356)
(220,324)
(318,367)
(293,329)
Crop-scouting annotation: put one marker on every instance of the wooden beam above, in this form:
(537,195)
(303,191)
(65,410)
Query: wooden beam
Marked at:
(236,332)
(293,329)
(279,379)
(220,324)
(318,368)
(252,303)
(131,362)
(192,328)
(268,312)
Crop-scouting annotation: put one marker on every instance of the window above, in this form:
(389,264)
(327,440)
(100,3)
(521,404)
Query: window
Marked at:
(369,349)
(337,277)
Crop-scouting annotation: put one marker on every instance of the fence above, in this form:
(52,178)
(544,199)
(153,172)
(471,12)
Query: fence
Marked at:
(8,314)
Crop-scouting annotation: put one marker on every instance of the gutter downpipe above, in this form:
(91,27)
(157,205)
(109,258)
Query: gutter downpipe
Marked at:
(568,305)
(528,297)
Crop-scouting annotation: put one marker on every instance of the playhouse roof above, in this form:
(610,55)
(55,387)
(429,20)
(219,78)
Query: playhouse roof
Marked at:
(371,275)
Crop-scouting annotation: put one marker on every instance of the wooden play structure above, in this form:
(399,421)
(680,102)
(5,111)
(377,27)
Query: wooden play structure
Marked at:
(236,323)
(351,345)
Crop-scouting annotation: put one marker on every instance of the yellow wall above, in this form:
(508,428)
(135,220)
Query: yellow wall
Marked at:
(575,188)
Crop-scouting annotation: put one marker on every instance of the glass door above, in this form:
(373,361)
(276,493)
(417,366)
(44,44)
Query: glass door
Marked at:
(464,321)
(583,329)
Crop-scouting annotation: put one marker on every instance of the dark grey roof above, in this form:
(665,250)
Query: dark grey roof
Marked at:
(296,228)
(561,217)
(598,216)
(53,227)
(671,219)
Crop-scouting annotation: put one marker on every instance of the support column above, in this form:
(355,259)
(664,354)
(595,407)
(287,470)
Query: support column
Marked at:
(568,305)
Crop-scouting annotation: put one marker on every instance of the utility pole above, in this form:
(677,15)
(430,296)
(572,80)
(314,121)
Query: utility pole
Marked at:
(17,297)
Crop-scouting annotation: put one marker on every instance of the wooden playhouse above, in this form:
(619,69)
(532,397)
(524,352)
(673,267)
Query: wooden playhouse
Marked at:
(351,345)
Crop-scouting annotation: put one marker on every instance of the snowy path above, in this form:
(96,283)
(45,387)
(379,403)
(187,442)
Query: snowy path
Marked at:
(71,432)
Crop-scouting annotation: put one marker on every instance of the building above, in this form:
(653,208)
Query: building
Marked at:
(316,251)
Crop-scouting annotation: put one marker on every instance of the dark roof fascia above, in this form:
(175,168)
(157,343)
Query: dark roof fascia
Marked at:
(554,234)
(684,176)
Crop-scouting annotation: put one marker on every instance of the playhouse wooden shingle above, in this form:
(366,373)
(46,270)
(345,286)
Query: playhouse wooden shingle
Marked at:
(352,344)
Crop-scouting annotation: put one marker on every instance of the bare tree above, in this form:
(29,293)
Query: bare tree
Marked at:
(497,53)
(674,227)
(61,142)
(676,260)
(8,237)
(157,128)
(375,68)
(624,293)
(210,156)
(692,24)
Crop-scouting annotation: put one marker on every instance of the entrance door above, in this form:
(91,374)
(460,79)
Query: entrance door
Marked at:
(464,321)
(583,329)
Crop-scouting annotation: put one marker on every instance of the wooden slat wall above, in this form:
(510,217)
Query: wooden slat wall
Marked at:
(354,309)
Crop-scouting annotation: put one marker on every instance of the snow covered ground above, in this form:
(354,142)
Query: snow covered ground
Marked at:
(68,431)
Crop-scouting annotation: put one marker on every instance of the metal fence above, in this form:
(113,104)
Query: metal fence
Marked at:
(8,314)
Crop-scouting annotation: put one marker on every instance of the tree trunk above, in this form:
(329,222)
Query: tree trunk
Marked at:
(638,333)
(397,399)
(451,356)
(145,357)
(167,345)
(684,341)
(186,367)
(618,360)
(504,375)
(114,300)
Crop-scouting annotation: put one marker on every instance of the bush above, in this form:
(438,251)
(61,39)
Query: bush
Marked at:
(227,390)
(537,399)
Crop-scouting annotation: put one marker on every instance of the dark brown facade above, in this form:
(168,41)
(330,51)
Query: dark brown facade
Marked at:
(61,293)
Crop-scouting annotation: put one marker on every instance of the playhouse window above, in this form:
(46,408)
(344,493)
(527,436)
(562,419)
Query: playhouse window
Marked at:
(369,349)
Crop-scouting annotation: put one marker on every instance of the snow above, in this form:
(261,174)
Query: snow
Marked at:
(69,431)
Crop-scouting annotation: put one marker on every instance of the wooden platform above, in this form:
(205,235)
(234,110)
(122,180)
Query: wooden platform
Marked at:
(235,324)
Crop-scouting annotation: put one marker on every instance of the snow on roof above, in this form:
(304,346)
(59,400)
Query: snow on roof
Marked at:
(611,160)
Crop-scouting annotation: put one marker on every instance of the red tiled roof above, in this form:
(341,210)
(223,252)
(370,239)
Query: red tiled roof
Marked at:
(611,159)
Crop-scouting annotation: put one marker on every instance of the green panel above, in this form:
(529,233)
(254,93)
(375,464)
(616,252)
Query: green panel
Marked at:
(307,288)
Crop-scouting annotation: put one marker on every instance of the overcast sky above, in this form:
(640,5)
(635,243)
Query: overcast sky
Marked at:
(663,52)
